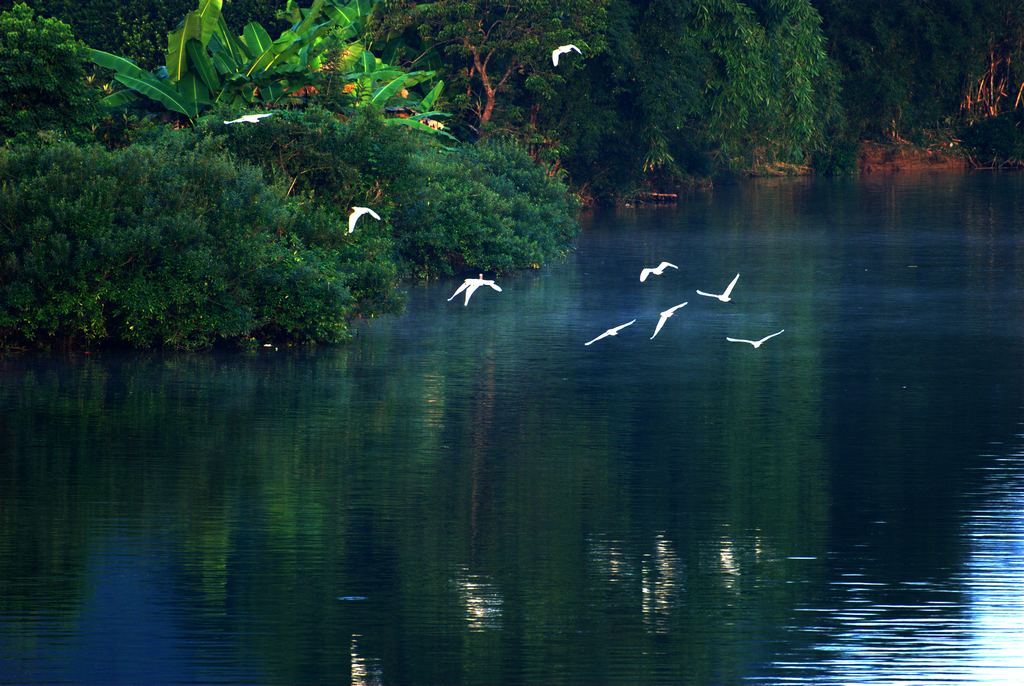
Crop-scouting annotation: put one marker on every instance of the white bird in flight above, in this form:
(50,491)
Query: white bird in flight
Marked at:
(664,317)
(647,271)
(561,50)
(250,118)
(614,331)
(470,286)
(724,297)
(358,212)
(756,344)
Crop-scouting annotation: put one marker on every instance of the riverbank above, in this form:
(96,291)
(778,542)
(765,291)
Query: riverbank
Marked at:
(221,235)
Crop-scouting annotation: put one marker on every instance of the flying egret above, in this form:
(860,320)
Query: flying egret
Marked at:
(614,331)
(664,317)
(250,118)
(647,271)
(561,50)
(470,286)
(756,344)
(724,297)
(358,212)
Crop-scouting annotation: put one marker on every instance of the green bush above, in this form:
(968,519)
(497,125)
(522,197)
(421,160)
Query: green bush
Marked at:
(158,245)
(995,141)
(486,206)
(42,77)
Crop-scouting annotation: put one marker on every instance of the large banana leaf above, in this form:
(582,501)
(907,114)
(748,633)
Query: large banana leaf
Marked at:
(430,98)
(227,46)
(255,39)
(194,91)
(203,65)
(348,58)
(177,62)
(369,61)
(119,64)
(161,91)
(387,91)
(311,14)
(209,15)
(142,82)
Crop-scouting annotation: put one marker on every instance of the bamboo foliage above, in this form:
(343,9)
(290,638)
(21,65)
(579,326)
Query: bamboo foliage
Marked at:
(990,94)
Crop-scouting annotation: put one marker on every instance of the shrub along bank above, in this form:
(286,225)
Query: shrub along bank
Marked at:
(222,234)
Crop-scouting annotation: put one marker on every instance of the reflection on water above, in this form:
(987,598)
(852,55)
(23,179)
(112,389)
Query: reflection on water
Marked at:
(482,601)
(661,577)
(470,495)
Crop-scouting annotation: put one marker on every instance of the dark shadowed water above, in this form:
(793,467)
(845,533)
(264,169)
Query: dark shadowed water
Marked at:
(469,495)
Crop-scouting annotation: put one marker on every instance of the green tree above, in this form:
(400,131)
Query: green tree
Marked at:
(42,76)
(908,64)
(138,29)
(497,47)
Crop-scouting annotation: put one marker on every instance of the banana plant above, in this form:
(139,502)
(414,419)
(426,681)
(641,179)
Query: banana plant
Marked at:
(207,64)
(375,84)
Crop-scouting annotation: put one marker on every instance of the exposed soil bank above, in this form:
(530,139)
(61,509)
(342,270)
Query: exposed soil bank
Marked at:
(887,158)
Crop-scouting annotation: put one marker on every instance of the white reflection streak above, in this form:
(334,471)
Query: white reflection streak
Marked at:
(609,559)
(659,579)
(966,629)
(482,601)
(727,561)
(358,665)
(995,580)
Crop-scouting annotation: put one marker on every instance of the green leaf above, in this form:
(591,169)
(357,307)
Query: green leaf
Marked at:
(226,45)
(311,14)
(177,64)
(194,90)
(386,92)
(119,99)
(202,64)
(274,52)
(369,62)
(417,125)
(352,53)
(209,16)
(271,92)
(154,89)
(256,39)
(117,63)
(430,98)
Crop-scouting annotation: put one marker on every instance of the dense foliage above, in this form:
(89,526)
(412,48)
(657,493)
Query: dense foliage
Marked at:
(158,245)
(42,76)
(666,90)
(223,233)
(485,206)
(139,28)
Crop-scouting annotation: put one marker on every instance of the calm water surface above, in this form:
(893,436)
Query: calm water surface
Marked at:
(468,495)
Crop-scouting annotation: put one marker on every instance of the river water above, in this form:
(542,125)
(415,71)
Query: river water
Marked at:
(469,495)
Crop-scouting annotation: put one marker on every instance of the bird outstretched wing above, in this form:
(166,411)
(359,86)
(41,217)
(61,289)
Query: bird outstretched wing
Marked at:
(464,286)
(732,284)
(470,291)
(661,323)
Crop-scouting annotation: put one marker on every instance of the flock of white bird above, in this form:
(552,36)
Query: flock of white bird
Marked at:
(469,286)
